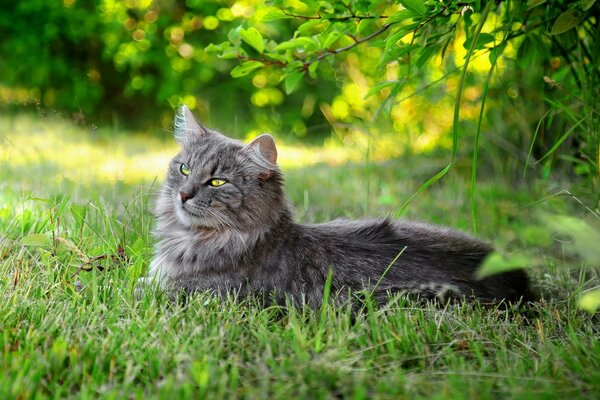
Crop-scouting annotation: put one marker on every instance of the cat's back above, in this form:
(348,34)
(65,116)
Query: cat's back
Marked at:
(387,231)
(425,257)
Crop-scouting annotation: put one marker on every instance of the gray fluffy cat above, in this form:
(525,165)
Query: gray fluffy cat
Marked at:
(224,225)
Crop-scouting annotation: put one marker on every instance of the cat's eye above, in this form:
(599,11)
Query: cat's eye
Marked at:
(217,182)
(184,169)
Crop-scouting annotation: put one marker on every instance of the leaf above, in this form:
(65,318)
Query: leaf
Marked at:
(331,38)
(587,4)
(307,26)
(307,43)
(72,247)
(495,263)
(416,6)
(366,25)
(534,3)
(400,16)
(287,45)
(228,54)
(382,85)
(234,36)
(590,301)
(245,68)
(36,239)
(254,38)
(79,213)
(585,236)
(200,373)
(217,48)
(292,80)
(566,21)
(312,69)
(274,15)
(394,38)
(482,40)
(425,56)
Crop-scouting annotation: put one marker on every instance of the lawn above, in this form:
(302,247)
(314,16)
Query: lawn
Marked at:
(75,235)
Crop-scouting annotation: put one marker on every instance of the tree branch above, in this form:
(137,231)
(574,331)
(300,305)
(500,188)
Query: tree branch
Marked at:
(262,60)
(334,18)
(357,41)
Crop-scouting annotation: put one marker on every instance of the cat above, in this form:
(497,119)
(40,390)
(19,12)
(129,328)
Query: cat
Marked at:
(224,225)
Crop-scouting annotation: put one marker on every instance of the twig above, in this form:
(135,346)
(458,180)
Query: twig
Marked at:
(88,263)
(337,19)
(378,32)
(262,60)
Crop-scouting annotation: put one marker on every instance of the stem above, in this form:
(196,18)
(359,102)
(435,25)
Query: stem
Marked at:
(378,32)
(337,19)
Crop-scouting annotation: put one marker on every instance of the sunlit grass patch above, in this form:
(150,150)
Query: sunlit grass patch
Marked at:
(38,152)
(52,151)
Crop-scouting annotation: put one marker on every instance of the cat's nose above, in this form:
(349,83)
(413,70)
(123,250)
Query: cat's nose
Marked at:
(185,196)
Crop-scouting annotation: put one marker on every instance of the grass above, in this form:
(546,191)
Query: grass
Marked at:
(62,213)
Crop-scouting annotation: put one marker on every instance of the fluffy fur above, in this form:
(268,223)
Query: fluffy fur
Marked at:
(240,236)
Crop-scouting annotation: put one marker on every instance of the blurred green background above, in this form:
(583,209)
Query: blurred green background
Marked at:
(335,81)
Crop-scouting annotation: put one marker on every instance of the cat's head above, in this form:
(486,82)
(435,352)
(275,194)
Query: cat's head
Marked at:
(217,183)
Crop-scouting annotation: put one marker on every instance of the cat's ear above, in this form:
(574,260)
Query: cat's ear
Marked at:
(263,151)
(186,126)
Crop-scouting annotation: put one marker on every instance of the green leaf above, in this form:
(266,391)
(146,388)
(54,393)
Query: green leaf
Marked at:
(234,36)
(382,85)
(534,3)
(331,38)
(307,26)
(228,54)
(586,237)
(274,15)
(253,37)
(68,245)
(566,21)
(425,55)
(217,48)
(307,43)
(416,6)
(287,45)
(400,16)
(79,213)
(495,263)
(292,80)
(587,4)
(312,69)
(36,239)
(200,373)
(366,25)
(590,301)
(213,48)
(482,40)
(395,37)
(245,68)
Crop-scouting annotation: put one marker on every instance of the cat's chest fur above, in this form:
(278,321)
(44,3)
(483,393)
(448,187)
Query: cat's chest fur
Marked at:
(183,254)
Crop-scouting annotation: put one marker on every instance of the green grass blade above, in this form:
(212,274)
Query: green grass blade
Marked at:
(564,137)
(456,118)
(323,312)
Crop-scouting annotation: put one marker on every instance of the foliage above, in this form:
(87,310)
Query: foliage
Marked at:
(519,78)
(428,41)
(122,61)
(118,59)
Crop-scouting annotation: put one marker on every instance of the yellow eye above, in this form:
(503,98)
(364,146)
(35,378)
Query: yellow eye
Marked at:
(217,182)
(184,169)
